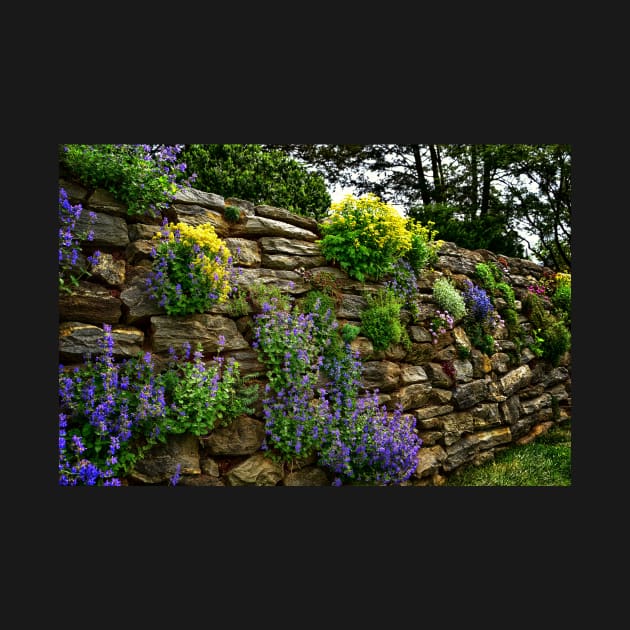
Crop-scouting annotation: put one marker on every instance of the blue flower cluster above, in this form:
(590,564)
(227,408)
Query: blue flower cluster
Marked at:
(478,304)
(353,436)
(70,240)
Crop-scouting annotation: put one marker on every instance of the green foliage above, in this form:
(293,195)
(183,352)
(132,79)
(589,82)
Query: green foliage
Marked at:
(552,338)
(480,337)
(112,413)
(462,351)
(507,293)
(557,341)
(192,269)
(424,249)
(318,302)
(485,276)
(261,294)
(232,213)
(246,171)
(537,346)
(534,309)
(207,395)
(510,319)
(380,321)
(365,236)
(143,177)
(237,302)
(349,332)
(491,232)
(448,298)
(561,297)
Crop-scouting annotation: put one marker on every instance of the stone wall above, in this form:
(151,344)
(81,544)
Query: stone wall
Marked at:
(483,405)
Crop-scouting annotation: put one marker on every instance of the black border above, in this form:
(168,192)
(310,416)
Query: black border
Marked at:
(417,517)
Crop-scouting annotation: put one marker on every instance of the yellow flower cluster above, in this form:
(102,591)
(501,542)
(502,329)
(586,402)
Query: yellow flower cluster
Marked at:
(424,232)
(379,224)
(563,278)
(212,261)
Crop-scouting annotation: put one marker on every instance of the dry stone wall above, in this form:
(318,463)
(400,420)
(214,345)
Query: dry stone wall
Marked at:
(464,415)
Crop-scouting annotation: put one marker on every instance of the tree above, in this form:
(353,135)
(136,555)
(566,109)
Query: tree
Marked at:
(491,196)
(539,191)
(266,177)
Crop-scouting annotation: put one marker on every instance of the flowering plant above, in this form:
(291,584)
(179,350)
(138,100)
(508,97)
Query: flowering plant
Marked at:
(350,435)
(69,242)
(448,298)
(365,236)
(286,341)
(112,413)
(380,321)
(371,445)
(424,249)
(143,176)
(192,269)
(442,322)
(482,319)
(404,285)
(105,408)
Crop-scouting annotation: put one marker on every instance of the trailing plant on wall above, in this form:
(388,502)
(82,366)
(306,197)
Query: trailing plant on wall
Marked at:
(482,321)
(145,177)
(205,395)
(371,445)
(287,344)
(71,268)
(404,286)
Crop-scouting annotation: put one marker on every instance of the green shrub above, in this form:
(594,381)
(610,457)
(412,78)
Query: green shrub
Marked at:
(485,276)
(207,395)
(561,296)
(380,321)
(349,332)
(267,177)
(237,303)
(261,294)
(534,309)
(557,340)
(424,249)
(232,214)
(364,236)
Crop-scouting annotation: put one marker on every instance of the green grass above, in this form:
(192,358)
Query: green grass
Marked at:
(544,462)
